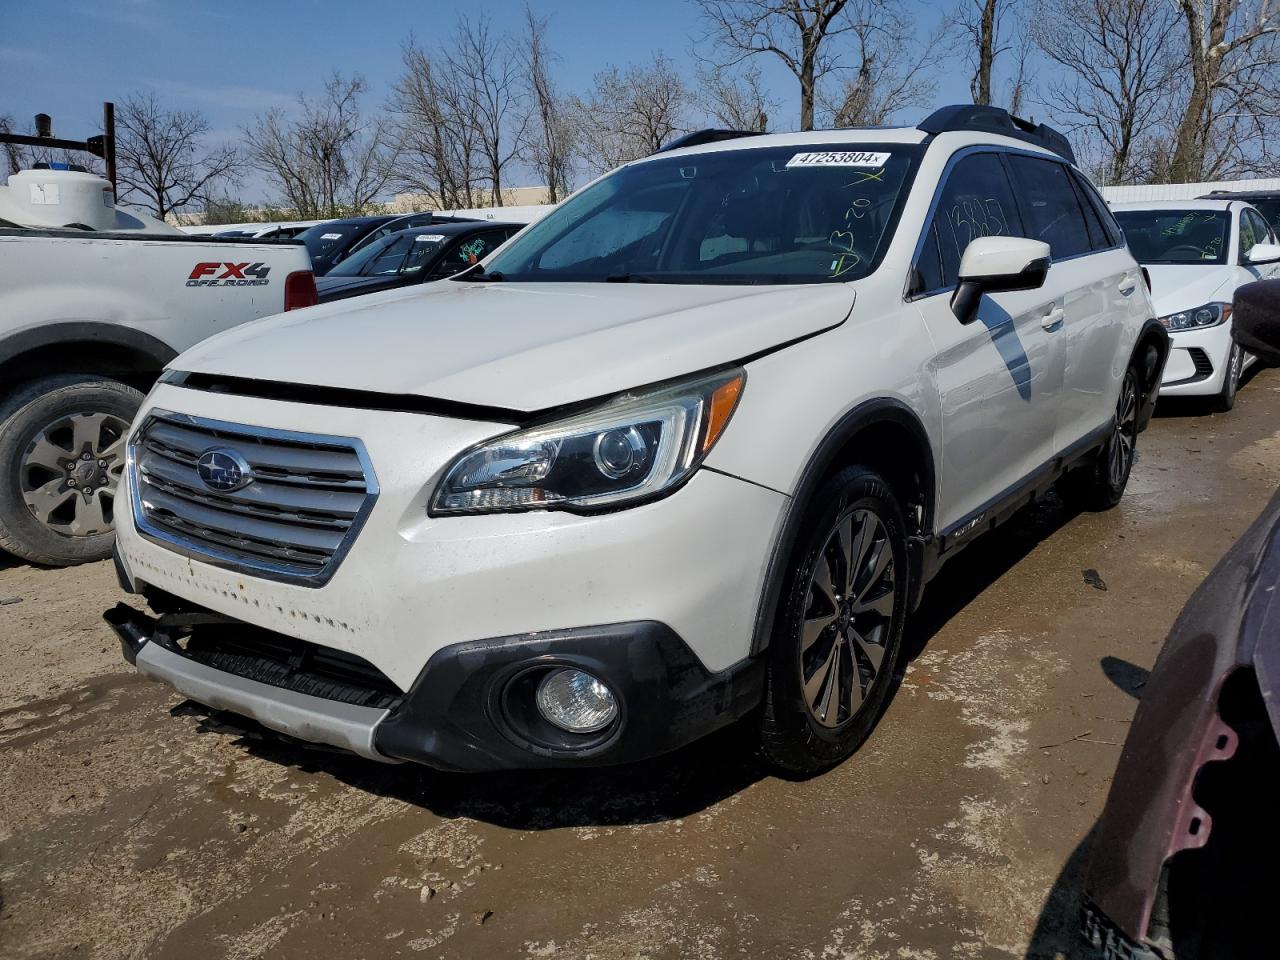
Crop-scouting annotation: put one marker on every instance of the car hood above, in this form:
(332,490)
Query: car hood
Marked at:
(1177,287)
(519,346)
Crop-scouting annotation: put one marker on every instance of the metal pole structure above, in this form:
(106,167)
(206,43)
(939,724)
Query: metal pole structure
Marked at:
(109,145)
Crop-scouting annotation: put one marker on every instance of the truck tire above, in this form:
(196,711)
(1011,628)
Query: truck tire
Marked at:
(1100,484)
(62,441)
(834,649)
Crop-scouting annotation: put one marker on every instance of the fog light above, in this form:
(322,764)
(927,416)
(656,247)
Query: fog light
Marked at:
(576,701)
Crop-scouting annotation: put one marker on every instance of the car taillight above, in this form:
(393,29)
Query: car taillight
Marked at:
(300,290)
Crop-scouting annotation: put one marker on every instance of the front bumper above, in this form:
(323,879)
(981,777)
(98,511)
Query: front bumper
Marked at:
(1197,361)
(416,598)
(471,708)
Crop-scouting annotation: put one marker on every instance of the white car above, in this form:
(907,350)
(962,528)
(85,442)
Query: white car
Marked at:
(682,452)
(1197,252)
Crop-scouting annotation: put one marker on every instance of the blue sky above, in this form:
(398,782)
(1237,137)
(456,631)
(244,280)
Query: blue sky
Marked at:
(234,58)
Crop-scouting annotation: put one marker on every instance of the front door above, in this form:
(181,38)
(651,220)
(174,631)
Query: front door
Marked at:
(999,379)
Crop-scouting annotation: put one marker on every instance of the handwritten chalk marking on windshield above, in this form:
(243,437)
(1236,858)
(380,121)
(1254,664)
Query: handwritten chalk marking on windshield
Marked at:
(877,177)
(842,158)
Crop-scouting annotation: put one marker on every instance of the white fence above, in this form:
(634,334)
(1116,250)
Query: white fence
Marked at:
(1182,191)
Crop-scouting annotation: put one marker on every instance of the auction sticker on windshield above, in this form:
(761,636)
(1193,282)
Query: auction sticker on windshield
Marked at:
(858,158)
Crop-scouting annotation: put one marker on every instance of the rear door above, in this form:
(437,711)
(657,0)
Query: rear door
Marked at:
(1096,283)
(999,378)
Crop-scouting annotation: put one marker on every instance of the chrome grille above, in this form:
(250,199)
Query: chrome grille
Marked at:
(294,520)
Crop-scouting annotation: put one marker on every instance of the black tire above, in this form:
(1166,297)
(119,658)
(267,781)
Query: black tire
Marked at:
(56,503)
(801,732)
(1100,484)
(1226,397)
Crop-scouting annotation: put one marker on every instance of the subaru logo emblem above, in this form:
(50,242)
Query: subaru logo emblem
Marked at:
(224,470)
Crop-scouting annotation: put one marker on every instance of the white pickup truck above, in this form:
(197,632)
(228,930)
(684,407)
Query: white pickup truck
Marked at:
(94,301)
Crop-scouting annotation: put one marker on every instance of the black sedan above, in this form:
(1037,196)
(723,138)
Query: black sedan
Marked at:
(418,255)
(329,243)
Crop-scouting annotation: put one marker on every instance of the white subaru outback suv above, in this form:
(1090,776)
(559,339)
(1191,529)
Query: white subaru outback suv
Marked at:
(685,451)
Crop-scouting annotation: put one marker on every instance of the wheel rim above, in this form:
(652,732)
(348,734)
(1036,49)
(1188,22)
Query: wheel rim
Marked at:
(848,618)
(1124,434)
(70,471)
(1237,363)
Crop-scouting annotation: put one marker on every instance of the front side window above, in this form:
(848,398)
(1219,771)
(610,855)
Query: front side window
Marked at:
(1270,210)
(1052,210)
(1176,236)
(1248,236)
(976,201)
(806,214)
(1261,229)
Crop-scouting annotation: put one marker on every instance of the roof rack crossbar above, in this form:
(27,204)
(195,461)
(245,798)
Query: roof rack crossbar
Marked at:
(972,116)
(699,137)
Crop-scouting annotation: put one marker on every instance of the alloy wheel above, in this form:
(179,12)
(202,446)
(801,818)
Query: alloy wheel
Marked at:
(1125,432)
(70,471)
(848,617)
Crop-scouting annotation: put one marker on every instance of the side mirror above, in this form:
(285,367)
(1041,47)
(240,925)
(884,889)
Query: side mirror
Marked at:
(1263,253)
(994,265)
(1255,315)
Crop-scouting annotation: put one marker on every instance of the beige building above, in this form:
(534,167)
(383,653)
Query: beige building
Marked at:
(511,197)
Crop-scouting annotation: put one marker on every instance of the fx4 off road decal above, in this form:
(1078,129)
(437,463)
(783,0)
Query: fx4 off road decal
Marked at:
(228,275)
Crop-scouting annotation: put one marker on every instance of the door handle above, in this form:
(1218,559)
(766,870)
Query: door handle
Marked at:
(1053,319)
(1127,286)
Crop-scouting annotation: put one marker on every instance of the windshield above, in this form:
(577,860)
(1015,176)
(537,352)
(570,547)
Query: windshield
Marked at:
(1176,236)
(767,215)
(398,253)
(322,239)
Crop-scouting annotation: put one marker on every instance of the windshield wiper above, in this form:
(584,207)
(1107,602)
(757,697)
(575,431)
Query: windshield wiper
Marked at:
(628,278)
(478,273)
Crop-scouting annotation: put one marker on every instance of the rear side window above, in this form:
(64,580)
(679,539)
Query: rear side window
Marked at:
(1050,205)
(976,201)
(1114,235)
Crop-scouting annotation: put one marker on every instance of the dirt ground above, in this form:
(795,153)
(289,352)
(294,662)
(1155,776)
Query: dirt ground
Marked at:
(135,825)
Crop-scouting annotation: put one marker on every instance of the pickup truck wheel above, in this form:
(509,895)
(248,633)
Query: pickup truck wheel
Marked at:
(1100,484)
(62,445)
(832,656)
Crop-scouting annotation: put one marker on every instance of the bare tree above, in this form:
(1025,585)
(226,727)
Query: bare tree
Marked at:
(438,144)
(630,113)
(1020,84)
(735,100)
(1233,58)
(891,67)
(1119,68)
(13,154)
(489,71)
(551,134)
(329,161)
(797,32)
(981,22)
(160,164)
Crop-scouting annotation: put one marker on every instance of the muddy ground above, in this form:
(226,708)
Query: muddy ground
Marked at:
(135,825)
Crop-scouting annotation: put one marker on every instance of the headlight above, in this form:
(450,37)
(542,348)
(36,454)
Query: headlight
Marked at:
(632,448)
(1210,315)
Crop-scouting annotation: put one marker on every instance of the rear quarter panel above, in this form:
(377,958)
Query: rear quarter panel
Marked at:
(147,285)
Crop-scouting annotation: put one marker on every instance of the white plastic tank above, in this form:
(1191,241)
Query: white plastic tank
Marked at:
(74,199)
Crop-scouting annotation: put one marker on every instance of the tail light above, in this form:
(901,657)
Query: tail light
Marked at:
(300,290)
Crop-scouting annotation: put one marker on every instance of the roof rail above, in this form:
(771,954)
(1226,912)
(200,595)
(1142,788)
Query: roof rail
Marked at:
(699,137)
(972,116)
